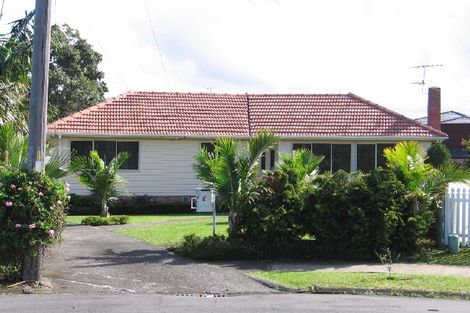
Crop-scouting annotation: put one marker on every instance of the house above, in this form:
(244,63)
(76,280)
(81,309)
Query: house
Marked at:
(457,126)
(164,130)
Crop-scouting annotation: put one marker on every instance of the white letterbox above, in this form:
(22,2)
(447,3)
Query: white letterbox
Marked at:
(204,200)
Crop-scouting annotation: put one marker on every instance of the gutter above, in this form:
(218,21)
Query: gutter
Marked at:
(291,138)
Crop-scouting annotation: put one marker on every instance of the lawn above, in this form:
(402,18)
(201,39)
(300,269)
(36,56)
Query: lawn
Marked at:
(173,233)
(436,256)
(142,219)
(397,282)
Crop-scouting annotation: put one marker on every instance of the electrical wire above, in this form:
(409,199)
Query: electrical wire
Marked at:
(1,10)
(157,45)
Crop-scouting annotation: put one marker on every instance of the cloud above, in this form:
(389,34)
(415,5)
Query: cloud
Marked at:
(361,46)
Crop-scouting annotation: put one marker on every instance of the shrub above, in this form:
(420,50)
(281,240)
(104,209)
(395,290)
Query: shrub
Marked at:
(101,221)
(438,155)
(32,213)
(218,247)
(86,205)
(276,211)
(354,215)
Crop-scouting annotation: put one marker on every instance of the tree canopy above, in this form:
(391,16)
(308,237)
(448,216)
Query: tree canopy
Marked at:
(75,82)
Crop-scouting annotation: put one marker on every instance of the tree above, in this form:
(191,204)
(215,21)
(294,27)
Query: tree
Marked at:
(75,82)
(99,177)
(232,171)
(467,147)
(438,154)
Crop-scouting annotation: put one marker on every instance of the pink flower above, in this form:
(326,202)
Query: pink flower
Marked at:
(9,203)
(13,186)
(31,226)
(17,225)
(50,232)
(40,194)
(59,202)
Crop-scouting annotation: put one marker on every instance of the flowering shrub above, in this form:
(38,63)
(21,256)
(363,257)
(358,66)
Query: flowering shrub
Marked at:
(32,213)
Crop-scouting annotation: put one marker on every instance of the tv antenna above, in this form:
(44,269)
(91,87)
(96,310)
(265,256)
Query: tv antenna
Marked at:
(422,82)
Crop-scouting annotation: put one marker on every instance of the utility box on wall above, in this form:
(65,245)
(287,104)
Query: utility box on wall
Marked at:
(204,200)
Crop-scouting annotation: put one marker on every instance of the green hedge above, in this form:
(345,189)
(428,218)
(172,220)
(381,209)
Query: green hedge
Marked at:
(100,221)
(349,216)
(86,205)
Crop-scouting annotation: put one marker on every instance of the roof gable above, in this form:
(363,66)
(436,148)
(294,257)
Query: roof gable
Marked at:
(208,114)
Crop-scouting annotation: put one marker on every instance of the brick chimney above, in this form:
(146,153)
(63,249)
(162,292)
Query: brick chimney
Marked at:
(434,107)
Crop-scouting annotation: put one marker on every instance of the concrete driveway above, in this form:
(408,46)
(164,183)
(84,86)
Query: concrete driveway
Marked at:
(97,260)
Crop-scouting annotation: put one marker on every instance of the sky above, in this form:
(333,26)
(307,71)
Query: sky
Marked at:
(277,46)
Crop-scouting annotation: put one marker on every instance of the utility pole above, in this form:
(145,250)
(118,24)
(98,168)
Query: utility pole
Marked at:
(38,113)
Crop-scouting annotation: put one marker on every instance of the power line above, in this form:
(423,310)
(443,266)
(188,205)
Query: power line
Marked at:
(156,44)
(106,55)
(1,11)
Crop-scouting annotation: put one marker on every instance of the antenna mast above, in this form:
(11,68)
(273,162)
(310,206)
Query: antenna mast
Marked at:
(422,82)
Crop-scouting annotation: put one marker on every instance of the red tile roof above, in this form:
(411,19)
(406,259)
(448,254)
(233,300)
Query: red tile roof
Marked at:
(207,114)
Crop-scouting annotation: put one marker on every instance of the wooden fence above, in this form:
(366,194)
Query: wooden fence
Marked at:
(457,213)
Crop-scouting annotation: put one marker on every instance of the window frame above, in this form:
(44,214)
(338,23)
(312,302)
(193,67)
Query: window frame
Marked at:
(115,149)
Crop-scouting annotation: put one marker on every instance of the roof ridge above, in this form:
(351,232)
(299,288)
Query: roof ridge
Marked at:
(419,124)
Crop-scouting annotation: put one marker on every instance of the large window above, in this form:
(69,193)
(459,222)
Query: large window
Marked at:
(108,149)
(365,157)
(338,156)
(323,149)
(341,158)
(335,156)
(381,161)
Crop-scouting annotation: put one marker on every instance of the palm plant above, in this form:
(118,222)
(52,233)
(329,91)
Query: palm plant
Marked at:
(302,164)
(14,148)
(99,177)
(232,171)
(407,161)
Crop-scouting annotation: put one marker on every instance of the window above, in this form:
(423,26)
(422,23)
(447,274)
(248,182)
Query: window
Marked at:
(341,157)
(210,148)
(365,157)
(108,150)
(272,158)
(81,147)
(131,147)
(323,149)
(298,146)
(263,161)
(381,161)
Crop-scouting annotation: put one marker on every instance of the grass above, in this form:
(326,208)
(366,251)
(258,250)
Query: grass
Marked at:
(170,234)
(143,219)
(437,256)
(397,282)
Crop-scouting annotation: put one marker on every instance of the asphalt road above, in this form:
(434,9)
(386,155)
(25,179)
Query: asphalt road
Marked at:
(143,303)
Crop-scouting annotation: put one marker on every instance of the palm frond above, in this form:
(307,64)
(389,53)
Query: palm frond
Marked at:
(56,167)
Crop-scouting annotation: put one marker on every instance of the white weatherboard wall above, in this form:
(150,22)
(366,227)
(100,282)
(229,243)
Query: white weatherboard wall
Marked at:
(165,168)
(165,165)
